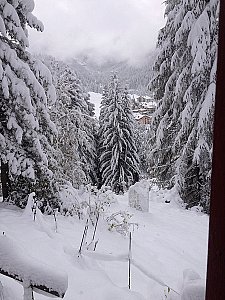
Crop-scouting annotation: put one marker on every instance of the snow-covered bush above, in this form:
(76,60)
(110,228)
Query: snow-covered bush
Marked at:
(88,201)
(120,222)
(71,203)
(139,196)
(97,201)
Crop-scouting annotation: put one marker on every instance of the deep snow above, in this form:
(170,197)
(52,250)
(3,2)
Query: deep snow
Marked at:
(96,98)
(169,239)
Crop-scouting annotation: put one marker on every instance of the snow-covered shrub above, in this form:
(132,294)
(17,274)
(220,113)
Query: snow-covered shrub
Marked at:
(139,196)
(120,222)
(97,201)
(88,201)
(71,203)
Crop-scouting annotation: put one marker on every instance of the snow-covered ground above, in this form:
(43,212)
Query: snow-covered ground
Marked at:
(168,240)
(96,98)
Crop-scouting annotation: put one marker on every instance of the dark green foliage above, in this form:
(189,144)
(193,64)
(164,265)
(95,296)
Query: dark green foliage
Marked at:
(184,84)
(118,159)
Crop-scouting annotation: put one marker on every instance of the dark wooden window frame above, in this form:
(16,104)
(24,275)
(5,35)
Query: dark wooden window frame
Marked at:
(215,286)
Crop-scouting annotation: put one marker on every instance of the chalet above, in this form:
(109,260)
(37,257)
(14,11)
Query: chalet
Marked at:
(143,110)
(142,119)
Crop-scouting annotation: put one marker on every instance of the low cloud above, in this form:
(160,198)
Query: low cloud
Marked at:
(99,29)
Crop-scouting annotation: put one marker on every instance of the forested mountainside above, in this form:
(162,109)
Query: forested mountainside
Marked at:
(93,76)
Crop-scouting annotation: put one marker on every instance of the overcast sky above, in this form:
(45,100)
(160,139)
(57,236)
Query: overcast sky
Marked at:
(100,29)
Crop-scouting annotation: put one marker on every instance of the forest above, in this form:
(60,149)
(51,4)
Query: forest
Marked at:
(59,160)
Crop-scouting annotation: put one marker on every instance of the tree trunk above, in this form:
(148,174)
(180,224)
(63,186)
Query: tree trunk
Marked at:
(5,180)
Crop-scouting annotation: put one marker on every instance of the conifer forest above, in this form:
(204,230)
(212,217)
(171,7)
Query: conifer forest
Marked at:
(106,163)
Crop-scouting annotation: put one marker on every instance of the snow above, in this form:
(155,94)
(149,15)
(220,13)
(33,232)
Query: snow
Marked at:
(2,27)
(96,98)
(16,260)
(193,286)
(168,241)
(139,196)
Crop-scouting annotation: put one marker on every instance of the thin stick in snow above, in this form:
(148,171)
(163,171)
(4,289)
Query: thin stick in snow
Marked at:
(95,245)
(129,263)
(34,209)
(96,224)
(94,233)
(83,237)
(54,215)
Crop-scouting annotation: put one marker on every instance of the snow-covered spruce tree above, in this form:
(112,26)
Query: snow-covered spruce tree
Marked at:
(184,84)
(118,159)
(73,116)
(26,90)
(163,129)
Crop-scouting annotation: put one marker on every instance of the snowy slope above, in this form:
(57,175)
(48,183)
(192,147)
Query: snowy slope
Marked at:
(96,98)
(168,240)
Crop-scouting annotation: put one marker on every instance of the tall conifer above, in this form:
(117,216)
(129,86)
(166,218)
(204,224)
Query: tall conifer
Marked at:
(26,90)
(184,85)
(119,163)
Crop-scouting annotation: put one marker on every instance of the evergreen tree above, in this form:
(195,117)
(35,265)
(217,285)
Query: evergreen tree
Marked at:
(26,130)
(184,84)
(117,152)
(73,116)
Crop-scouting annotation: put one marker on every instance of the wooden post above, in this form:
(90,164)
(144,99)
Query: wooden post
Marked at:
(129,263)
(215,287)
(28,293)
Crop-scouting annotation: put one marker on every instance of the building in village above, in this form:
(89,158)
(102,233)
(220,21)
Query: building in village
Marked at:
(143,109)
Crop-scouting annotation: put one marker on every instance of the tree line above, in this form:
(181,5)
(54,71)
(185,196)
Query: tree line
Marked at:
(49,136)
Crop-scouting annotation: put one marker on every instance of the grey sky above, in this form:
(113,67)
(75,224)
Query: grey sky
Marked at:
(101,29)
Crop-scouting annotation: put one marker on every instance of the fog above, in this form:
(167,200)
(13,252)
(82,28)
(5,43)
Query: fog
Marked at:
(97,29)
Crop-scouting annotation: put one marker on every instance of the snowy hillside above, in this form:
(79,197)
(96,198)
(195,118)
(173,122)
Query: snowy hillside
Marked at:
(96,98)
(94,76)
(168,240)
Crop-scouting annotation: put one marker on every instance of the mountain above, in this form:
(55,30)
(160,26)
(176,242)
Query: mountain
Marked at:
(94,76)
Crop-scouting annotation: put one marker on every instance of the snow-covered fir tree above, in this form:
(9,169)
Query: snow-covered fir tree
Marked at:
(184,84)
(73,116)
(118,159)
(26,90)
